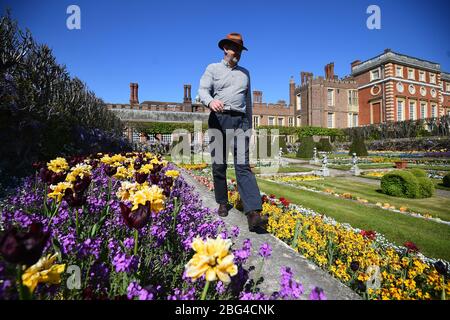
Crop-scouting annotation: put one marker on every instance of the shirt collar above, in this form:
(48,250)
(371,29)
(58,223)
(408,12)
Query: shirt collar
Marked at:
(228,65)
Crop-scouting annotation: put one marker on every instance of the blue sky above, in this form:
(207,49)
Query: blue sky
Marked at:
(165,44)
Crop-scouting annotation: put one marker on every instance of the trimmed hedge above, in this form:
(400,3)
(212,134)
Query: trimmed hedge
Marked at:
(446,180)
(359,147)
(403,183)
(324,145)
(306,149)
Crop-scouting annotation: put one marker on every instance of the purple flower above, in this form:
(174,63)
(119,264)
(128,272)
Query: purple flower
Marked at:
(135,290)
(220,288)
(243,254)
(317,294)
(252,296)
(265,250)
(290,289)
(235,231)
(129,243)
(123,263)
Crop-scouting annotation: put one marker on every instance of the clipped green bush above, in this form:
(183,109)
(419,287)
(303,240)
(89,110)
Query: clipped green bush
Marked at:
(324,145)
(446,180)
(419,173)
(306,149)
(426,187)
(282,143)
(400,183)
(358,146)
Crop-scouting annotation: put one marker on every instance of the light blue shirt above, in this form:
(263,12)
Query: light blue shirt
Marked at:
(231,85)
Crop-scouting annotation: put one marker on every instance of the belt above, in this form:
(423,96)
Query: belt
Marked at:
(233,113)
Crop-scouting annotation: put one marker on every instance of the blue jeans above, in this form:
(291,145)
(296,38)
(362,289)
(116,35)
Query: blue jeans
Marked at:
(246,181)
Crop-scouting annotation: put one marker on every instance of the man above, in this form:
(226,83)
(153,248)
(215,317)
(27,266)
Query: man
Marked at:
(225,90)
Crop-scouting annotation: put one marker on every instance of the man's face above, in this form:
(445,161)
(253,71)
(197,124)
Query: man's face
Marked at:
(233,51)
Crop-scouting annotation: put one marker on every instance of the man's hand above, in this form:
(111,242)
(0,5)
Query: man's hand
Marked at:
(216,105)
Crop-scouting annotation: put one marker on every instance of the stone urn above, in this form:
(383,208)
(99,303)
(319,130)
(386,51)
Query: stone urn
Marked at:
(401,164)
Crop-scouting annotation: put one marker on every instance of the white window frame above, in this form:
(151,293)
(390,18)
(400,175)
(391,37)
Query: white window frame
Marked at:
(372,78)
(269,120)
(432,77)
(400,111)
(332,97)
(255,121)
(433,110)
(166,137)
(399,71)
(421,76)
(412,109)
(332,120)
(447,87)
(413,76)
(355,119)
(423,110)
(282,121)
(350,120)
(291,121)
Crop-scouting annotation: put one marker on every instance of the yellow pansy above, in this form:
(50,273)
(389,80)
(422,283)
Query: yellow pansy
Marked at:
(213,259)
(59,190)
(80,170)
(146,168)
(43,271)
(58,165)
(172,173)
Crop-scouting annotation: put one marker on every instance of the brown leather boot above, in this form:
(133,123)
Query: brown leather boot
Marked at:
(223,210)
(255,220)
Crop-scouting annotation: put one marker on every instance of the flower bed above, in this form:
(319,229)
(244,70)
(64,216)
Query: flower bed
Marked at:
(122,226)
(362,259)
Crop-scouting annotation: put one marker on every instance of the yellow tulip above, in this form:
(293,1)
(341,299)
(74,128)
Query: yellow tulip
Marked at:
(43,271)
(58,165)
(213,259)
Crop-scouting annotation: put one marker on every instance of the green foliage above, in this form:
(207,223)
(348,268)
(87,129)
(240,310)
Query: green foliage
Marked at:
(358,146)
(324,145)
(426,187)
(400,183)
(306,149)
(164,127)
(446,180)
(306,131)
(407,184)
(44,113)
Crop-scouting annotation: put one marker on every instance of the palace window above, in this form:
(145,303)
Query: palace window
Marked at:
(166,138)
(423,110)
(432,78)
(271,121)
(353,97)
(291,121)
(399,72)
(433,110)
(299,102)
(330,97)
(330,120)
(422,76)
(411,74)
(281,121)
(400,105)
(375,74)
(412,110)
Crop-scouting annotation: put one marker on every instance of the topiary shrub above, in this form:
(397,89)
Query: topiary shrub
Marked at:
(306,149)
(358,146)
(282,144)
(324,145)
(446,180)
(400,183)
(426,187)
(419,173)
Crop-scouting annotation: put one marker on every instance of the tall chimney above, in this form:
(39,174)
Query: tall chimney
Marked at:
(292,91)
(187,94)
(331,72)
(136,98)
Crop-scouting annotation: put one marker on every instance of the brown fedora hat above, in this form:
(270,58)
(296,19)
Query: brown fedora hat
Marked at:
(235,38)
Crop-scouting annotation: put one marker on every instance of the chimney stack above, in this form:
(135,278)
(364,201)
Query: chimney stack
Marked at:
(187,94)
(329,71)
(257,96)
(305,76)
(292,91)
(134,93)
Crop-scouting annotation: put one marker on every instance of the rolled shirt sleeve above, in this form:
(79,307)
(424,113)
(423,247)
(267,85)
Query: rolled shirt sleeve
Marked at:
(248,104)
(206,86)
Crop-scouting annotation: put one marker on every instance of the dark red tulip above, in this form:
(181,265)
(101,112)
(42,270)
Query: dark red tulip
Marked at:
(411,247)
(141,177)
(81,184)
(137,218)
(110,171)
(75,199)
(24,247)
(37,165)
(138,163)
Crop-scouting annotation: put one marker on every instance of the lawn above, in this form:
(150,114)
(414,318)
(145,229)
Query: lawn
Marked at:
(431,237)
(437,206)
